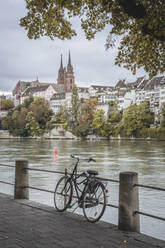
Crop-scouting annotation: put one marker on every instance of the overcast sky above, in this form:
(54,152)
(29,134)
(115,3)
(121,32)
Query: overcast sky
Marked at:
(24,59)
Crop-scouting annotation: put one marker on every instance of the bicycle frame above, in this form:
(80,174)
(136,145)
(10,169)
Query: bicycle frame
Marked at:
(73,179)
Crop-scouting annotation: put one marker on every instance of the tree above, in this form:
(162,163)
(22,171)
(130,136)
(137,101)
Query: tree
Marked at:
(41,111)
(32,126)
(99,122)
(33,117)
(139,23)
(85,118)
(61,118)
(28,101)
(6,104)
(15,122)
(145,117)
(136,118)
(162,124)
(75,106)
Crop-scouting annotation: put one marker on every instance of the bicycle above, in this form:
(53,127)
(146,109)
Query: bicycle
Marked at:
(90,192)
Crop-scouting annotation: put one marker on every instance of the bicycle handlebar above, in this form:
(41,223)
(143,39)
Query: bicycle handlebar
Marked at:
(86,159)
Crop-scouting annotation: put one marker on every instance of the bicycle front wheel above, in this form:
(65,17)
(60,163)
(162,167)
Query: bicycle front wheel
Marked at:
(63,194)
(94,202)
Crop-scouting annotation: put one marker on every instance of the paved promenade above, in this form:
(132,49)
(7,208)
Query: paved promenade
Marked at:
(25,224)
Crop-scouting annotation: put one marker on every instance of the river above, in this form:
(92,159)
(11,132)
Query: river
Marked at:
(112,157)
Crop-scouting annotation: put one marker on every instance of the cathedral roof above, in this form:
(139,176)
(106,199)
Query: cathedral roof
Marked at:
(31,90)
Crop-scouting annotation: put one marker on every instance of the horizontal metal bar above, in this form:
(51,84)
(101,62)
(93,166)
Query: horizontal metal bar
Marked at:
(149,215)
(7,183)
(108,179)
(63,173)
(34,169)
(45,190)
(6,165)
(149,187)
(111,205)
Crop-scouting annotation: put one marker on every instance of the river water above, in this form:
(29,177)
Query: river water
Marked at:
(112,157)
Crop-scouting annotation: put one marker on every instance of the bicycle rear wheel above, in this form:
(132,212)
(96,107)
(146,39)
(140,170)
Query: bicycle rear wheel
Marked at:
(94,202)
(63,194)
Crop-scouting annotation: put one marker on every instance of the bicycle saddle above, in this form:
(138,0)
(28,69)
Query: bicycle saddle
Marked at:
(92,172)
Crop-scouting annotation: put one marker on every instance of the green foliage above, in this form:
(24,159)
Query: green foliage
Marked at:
(28,101)
(115,117)
(135,118)
(32,125)
(41,111)
(163,116)
(6,104)
(61,118)
(85,117)
(75,106)
(139,23)
(30,118)
(157,133)
(99,122)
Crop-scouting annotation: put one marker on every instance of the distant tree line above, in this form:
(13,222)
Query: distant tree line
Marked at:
(83,118)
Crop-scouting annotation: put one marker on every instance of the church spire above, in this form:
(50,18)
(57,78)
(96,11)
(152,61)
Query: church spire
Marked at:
(60,79)
(69,60)
(69,66)
(61,66)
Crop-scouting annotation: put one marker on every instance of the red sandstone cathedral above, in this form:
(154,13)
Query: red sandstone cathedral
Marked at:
(66,75)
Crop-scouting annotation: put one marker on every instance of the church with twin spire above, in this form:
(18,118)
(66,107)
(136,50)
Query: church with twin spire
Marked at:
(66,75)
(65,83)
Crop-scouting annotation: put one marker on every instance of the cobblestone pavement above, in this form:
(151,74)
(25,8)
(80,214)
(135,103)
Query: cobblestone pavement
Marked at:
(25,224)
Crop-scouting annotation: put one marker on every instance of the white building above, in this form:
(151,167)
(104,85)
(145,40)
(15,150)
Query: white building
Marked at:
(83,93)
(45,91)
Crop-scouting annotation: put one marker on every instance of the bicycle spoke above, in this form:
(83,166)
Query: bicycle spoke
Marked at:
(63,194)
(94,204)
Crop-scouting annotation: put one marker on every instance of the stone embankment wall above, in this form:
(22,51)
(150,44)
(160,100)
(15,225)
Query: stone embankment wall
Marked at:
(61,134)
(4,134)
(53,134)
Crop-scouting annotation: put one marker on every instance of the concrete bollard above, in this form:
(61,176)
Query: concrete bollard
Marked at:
(128,202)
(21,180)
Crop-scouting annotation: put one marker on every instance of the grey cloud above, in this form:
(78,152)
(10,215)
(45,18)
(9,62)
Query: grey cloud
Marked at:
(23,59)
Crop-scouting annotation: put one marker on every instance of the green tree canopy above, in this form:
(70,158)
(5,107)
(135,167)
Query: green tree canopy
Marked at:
(85,117)
(99,122)
(75,103)
(6,104)
(41,111)
(61,118)
(32,125)
(30,118)
(163,116)
(136,118)
(139,23)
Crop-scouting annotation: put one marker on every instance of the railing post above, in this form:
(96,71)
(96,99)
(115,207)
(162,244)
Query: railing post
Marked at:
(21,190)
(128,202)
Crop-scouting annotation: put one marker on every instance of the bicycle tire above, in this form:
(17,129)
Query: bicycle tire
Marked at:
(94,203)
(63,194)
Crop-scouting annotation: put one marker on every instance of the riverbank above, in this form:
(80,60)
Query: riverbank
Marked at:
(29,224)
(69,136)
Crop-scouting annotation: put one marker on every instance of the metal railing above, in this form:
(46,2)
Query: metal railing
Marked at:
(100,178)
(10,166)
